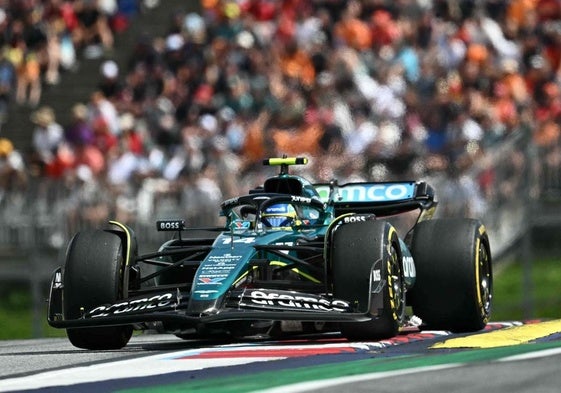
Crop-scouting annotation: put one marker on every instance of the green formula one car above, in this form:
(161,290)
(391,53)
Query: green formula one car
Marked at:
(292,257)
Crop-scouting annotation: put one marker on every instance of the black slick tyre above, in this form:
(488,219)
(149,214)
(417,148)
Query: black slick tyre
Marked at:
(367,272)
(453,288)
(93,276)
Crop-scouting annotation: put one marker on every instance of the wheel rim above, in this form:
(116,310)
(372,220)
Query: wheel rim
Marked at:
(485,279)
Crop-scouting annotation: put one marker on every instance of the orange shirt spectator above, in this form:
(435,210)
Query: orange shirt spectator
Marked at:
(254,144)
(304,140)
(296,64)
(353,31)
(504,106)
(514,82)
(547,134)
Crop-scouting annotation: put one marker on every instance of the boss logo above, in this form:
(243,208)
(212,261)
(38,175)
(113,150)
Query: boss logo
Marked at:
(351,219)
(170,225)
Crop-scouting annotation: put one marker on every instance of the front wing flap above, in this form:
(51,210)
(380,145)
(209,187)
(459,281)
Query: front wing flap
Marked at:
(172,306)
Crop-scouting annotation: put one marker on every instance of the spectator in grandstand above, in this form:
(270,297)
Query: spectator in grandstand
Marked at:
(8,83)
(92,32)
(103,113)
(29,89)
(110,84)
(47,135)
(80,131)
(13,174)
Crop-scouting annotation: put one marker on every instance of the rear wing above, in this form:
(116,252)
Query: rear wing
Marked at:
(380,198)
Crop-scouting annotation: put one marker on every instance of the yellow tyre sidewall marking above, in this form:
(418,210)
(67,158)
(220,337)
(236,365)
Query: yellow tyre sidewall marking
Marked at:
(129,244)
(391,294)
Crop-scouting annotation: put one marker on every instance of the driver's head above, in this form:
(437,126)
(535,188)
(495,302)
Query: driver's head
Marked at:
(279,215)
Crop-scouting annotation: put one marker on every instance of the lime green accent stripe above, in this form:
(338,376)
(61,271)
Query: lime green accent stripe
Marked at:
(267,380)
(129,244)
(285,161)
(240,278)
(477,273)
(332,224)
(295,270)
(504,337)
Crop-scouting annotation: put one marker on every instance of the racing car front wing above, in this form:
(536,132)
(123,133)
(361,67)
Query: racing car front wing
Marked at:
(173,306)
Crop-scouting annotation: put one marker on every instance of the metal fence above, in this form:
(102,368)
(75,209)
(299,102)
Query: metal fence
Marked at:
(45,213)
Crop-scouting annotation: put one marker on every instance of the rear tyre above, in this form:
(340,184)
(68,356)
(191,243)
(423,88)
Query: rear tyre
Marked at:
(367,272)
(453,288)
(93,276)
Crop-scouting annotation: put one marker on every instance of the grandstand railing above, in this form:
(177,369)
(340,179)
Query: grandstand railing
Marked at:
(504,189)
(499,189)
(496,189)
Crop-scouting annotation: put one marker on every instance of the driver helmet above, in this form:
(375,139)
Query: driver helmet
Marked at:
(279,215)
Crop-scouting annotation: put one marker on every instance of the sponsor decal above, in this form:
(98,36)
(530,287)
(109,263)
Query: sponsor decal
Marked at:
(206,291)
(241,224)
(132,306)
(409,267)
(354,218)
(211,279)
(285,300)
(231,201)
(376,282)
(278,209)
(170,225)
(301,199)
(245,240)
(225,259)
(376,275)
(371,192)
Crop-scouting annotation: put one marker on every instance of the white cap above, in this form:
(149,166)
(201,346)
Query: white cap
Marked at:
(126,121)
(174,42)
(208,122)
(84,173)
(109,69)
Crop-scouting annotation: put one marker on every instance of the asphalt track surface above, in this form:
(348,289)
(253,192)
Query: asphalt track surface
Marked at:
(511,357)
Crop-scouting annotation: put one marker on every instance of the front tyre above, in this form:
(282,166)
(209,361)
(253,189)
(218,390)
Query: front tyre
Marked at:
(367,272)
(93,275)
(453,289)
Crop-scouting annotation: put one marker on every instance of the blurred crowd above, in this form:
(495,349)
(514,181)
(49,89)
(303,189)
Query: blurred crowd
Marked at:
(368,89)
(39,39)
